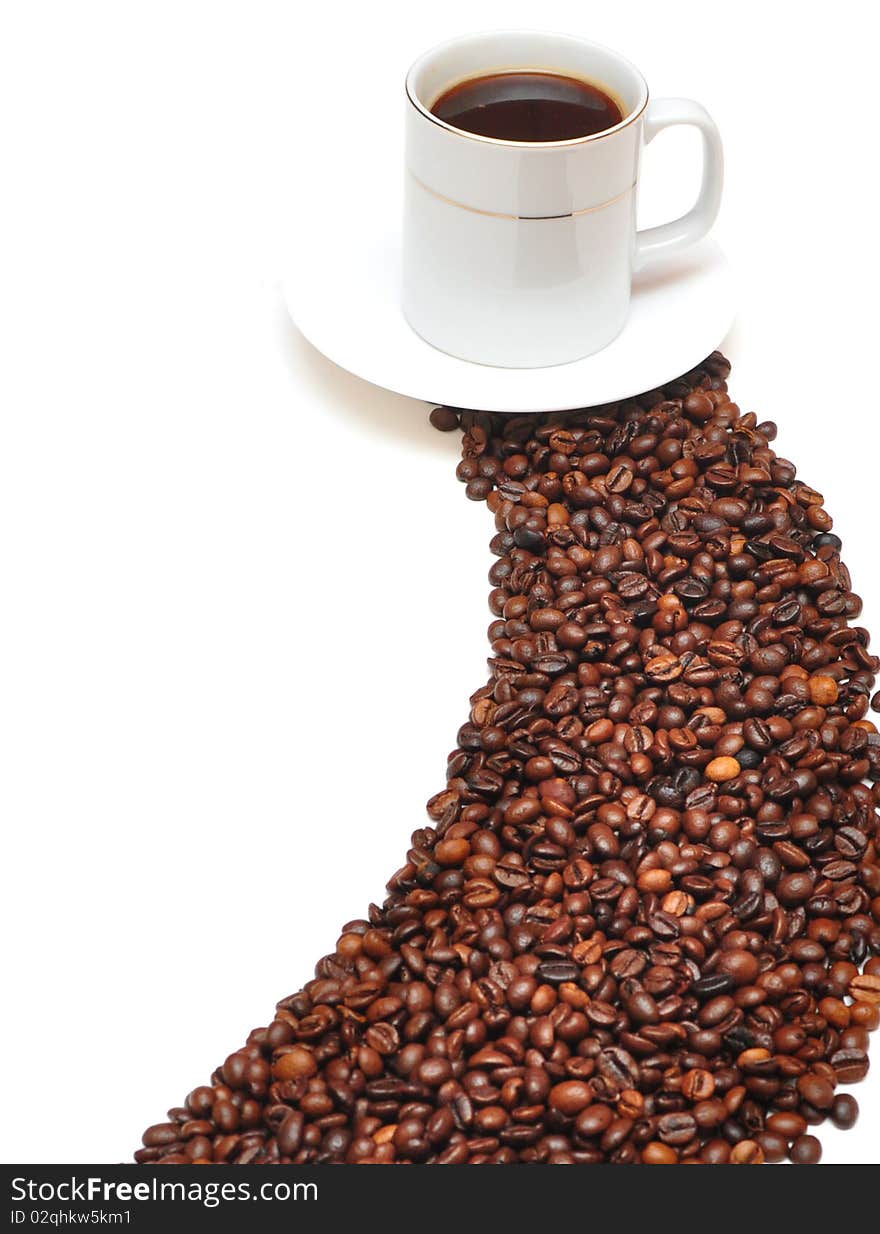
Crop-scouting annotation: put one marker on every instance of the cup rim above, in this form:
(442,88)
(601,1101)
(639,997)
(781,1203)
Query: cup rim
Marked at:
(628,119)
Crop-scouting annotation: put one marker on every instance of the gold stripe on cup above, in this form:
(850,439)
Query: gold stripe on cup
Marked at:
(529,218)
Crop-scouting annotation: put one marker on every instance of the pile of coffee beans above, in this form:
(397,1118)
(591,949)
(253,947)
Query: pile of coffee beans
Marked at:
(643,923)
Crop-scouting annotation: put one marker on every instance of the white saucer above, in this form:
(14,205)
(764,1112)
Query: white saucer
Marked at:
(342,293)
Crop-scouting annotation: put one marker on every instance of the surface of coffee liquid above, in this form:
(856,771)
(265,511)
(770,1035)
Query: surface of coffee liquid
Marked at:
(528,107)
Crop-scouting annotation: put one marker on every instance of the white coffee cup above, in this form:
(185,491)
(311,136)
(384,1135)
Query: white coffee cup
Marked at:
(521,254)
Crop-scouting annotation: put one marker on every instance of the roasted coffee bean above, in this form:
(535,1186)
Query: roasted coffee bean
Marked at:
(594,1120)
(773,1146)
(618,1069)
(850,1065)
(844,1111)
(557,971)
(655,1153)
(816,1091)
(677,1129)
(570,1097)
(787,1123)
(806,1150)
(865,988)
(444,418)
(710,986)
(290,1133)
(642,920)
(698,1085)
(747,1152)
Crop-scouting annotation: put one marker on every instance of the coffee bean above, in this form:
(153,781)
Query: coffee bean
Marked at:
(557,971)
(641,922)
(290,1133)
(747,1152)
(570,1097)
(787,1123)
(641,1007)
(712,985)
(844,1111)
(806,1150)
(773,1146)
(698,1085)
(823,690)
(816,1091)
(850,1065)
(294,1064)
(677,1129)
(594,1120)
(741,966)
(656,1153)
(721,769)
(618,1068)
(865,988)
(444,418)
(161,1135)
(757,734)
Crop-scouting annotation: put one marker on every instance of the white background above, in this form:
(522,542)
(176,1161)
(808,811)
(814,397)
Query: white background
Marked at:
(243,595)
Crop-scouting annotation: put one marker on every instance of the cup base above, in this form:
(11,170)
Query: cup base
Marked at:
(526,365)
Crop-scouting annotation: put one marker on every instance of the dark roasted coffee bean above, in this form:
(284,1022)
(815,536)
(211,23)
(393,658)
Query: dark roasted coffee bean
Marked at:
(618,1068)
(773,1145)
(816,1091)
(850,1065)
(290,1133)
(698,1085)
(557,971)
(806,1150)
(677,1129)
(712,985)
(444,418)
(844,1111)
(641,922)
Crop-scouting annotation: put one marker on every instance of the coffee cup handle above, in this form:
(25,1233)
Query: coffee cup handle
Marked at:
(669,238)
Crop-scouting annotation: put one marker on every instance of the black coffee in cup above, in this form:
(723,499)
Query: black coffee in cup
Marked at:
(528,106)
